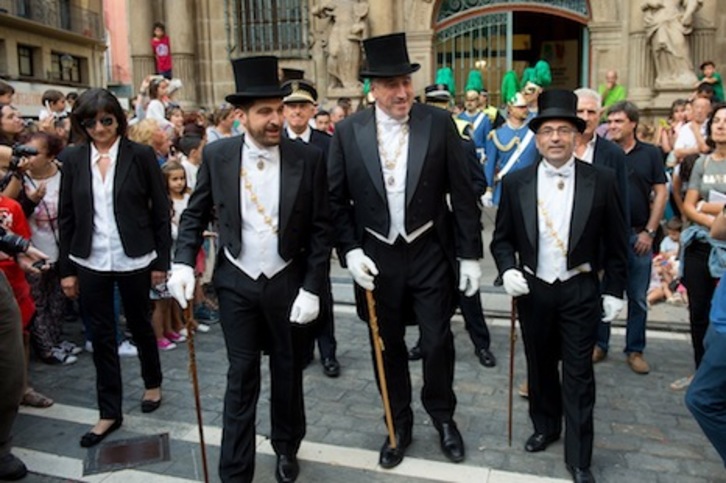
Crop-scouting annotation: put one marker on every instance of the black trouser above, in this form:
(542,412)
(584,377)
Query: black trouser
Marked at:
(559,322)
(12,362)
(325,326)
(255,316)
(97,289)
(474,321)
(415,280)
(700,285)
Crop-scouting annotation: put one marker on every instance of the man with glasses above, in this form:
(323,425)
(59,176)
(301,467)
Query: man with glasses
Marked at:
(556,221)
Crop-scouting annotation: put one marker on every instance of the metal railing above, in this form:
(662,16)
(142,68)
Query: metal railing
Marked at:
(58,14)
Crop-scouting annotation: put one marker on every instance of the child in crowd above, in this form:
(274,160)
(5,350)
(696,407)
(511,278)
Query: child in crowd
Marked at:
(162,50)
(54,104)
(166,317)
(710,76)
(665,284)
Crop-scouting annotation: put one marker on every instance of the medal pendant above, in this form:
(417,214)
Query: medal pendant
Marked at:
(391,181)
(561,184)
(260,164)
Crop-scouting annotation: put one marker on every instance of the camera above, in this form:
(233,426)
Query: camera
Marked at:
(11,243)
(23,150)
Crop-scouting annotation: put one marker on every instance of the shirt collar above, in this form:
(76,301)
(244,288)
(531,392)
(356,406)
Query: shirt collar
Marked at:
(268,152)
(112,153)
(383,118)
(565,168)
(305,136)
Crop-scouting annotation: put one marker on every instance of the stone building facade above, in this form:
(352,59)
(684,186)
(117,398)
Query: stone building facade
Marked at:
(582,39)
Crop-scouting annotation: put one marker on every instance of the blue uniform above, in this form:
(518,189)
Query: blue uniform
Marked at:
(500,146)
(480,127)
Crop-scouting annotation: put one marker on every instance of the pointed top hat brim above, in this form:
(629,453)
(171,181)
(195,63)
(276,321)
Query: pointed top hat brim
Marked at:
(387,57)
(256,78)
(557,104)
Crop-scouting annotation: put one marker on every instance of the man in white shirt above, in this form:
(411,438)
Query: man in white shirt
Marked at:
(270,197)
(692,136)
(559,222)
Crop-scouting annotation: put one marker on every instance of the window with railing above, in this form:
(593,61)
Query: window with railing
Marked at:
(59,14)
(65,68)
(26,61)
(278,27)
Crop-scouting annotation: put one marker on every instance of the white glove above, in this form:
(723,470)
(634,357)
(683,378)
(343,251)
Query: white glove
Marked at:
(305,308)
(469,275)
(611,307)
(486,200)
(361,267)
(514,283)
(181,283)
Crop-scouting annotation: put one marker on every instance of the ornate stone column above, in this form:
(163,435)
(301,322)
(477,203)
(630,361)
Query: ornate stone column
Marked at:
(381,17)
(703,45)
(141,20)
(642,71)
(180,27)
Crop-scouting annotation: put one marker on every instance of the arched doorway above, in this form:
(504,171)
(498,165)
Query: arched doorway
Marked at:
(496,36)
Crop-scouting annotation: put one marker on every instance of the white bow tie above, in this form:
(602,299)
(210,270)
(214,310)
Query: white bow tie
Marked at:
(255,153)
(565,172)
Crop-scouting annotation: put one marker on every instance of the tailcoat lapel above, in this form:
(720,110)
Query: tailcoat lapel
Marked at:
(584,194)
(230,174)
(528,202)
(365,135)
(291,173)
(418,141)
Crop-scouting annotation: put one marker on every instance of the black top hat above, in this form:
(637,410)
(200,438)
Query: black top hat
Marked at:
(256,78)
(557,104)
(437,93)
(289,74)
(302,91)
(387,56)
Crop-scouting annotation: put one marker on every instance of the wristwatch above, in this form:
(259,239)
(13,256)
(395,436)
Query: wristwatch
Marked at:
(651,233)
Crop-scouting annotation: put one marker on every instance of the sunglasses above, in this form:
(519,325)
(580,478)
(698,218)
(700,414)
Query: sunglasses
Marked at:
(91,123)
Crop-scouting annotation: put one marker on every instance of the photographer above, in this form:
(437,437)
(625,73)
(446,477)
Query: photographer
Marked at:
(12,361)
(11,127)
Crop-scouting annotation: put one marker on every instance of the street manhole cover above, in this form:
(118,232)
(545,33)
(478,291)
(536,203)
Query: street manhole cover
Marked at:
(126,453)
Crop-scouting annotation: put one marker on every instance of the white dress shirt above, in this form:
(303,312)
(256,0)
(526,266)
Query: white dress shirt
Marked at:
(390,132)
(589,154)
(259,254)
(107,252)
(305,136)
(555,201)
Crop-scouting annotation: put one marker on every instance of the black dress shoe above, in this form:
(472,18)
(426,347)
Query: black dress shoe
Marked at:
(414,353)
(539,442)
(391,457)
(92,439)
(149,406)
(331,367)
(581,475)
(287,468)
(486,358)
(452,445)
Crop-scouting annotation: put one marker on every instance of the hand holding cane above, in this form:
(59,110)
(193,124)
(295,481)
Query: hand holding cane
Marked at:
(378,349)
(512,343)
(191,327)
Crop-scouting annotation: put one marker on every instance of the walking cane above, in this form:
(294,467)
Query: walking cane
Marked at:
(512,342)
(378,348)
(195,384)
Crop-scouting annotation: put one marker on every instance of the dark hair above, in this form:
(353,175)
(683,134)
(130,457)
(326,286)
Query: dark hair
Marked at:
(6,88)
(72,96)
(6,139)
(705,87)
(714,109)
(170,111)
(678,103)
(53,144)
(92,102)
(687,166)
(154,87)
(631,110)
(170,166)
(321,113)
(159,25)
(674,223)
(707,63)
(194,129)
(52,95)
(188,143)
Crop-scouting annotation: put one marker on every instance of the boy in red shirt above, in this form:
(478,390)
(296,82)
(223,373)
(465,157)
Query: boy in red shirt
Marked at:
(162,50)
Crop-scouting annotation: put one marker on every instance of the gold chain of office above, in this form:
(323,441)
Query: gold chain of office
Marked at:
(256,201)
(389,163)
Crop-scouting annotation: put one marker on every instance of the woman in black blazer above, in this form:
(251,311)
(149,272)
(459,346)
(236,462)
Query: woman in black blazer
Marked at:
(114,229)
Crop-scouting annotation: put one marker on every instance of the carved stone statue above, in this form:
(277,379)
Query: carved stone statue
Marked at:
(346,28)
(667,24)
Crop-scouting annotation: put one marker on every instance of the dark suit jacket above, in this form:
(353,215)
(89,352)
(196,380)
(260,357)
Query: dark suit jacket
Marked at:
(610,155)
(140,198)
(304,224)
(598,223)
(318,139)
(437,165)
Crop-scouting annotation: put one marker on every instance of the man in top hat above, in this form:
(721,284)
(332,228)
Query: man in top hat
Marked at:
(391,168)
(559,222)
(270,197)
(299,110)
(509,148)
